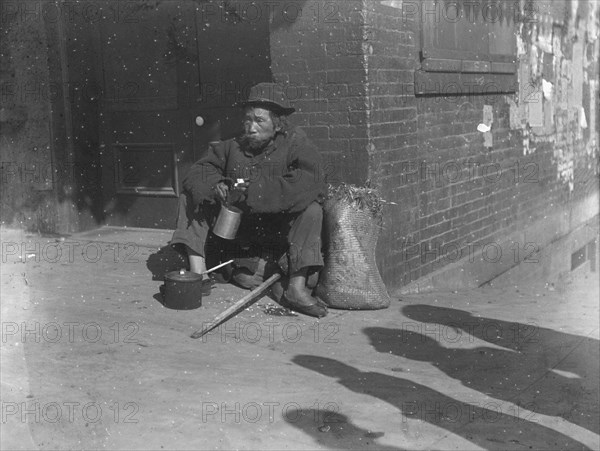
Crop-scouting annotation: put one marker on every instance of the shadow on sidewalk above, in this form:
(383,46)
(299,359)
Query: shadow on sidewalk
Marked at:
(487,426)
(165,260)
(542,370)
(334,430)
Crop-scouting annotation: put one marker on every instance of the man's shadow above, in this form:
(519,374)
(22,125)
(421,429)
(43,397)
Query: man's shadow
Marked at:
(334,430)
(487,428)
(542,370)
(523,337)
(165,260)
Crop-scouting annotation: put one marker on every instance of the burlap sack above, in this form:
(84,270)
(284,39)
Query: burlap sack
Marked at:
(350,278)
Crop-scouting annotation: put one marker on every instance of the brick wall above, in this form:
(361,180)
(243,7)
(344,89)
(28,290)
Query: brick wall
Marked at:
(318,54)
(395,151)
(455,193)
(457,189)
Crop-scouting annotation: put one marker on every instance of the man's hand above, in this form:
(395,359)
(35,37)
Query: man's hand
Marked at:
(241,184)
(222,190)
(237,197)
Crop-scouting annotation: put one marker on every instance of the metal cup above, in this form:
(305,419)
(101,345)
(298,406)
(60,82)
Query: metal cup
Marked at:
(228,222)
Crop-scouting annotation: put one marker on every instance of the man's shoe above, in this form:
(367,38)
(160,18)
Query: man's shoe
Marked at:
(312,278)
(244,278)
(320,301)
(301,301)
(277,291)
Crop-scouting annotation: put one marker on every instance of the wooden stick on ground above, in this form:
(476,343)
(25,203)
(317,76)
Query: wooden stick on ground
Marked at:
(243,303)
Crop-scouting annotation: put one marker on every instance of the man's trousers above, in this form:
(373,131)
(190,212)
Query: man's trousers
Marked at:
(268,236)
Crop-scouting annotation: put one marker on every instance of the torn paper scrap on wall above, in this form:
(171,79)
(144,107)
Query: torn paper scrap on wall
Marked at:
(565,167)
(515,114)
(521,49)
(536,110)
(488,119)
(564,82)
(547,88)
(549,120)
(592,120)
(534,61)
(544,37)
(548,70)
(582,119)
(526,149)
(576,87)
(556,43)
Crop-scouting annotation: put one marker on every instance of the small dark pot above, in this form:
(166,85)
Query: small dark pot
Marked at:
(183,290)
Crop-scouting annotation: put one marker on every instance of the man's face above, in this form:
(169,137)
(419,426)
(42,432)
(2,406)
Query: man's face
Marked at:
(259,129)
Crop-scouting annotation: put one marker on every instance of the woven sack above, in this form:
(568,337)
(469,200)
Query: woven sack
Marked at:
(350,278)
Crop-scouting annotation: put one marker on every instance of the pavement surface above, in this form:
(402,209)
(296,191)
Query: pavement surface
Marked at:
(91,359)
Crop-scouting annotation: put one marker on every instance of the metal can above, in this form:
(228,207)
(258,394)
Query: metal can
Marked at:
(228,222)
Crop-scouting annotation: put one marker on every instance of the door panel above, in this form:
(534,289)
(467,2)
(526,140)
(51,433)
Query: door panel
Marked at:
(136,163)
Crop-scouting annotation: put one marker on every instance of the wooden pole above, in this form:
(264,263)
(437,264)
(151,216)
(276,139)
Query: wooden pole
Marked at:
(243,303)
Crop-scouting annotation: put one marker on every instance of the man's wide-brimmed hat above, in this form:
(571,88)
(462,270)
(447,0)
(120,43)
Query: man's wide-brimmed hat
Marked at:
(269,95)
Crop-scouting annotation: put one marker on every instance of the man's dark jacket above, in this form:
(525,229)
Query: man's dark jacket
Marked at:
(286,177)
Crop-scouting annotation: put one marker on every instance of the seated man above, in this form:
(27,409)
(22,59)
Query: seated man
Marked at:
(280,196)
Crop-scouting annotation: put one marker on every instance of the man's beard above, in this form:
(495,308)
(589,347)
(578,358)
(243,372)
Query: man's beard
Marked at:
(253,144)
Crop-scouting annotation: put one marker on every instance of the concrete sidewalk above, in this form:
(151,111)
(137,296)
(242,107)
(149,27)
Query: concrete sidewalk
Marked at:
(92,360)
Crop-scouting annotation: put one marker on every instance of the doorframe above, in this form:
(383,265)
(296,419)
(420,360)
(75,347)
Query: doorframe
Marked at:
(62,150)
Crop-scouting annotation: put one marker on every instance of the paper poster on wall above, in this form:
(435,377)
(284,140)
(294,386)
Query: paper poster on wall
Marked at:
(576,88)
(488,115)
(488,119)
(549,119)
(514,115)
(525,87)
(535,109)
(593,112)
(582,119)
(547,88)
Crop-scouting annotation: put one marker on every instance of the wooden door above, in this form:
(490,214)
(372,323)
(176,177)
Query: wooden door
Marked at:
(169,64)
(149,75)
